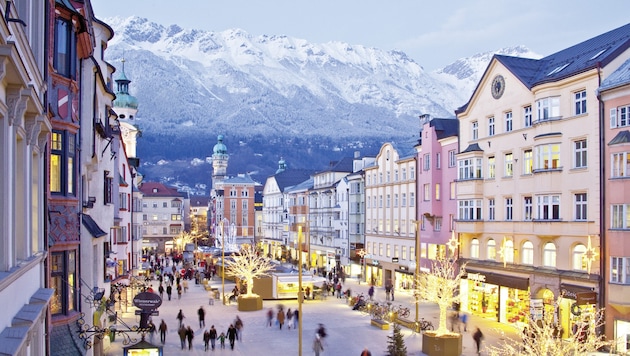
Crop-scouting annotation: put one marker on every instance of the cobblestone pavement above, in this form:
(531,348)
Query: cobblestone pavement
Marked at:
(349,332)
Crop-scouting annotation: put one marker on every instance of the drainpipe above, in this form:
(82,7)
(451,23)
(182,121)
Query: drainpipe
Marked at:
(602,193)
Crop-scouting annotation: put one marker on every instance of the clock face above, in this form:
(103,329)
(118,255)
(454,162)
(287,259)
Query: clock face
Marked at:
(498,86)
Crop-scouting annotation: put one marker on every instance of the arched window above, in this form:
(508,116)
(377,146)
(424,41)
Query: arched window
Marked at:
(528,253)
(492,250)
(508,251)
(474,248)
(578,258)
(549,255)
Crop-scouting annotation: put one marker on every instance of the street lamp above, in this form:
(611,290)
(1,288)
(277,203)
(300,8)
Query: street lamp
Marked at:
(300,294)
(416,272)
(222,261)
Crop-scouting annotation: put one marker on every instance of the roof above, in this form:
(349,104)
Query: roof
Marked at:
(472,148)
(622,137)
(161,190)
(345,165)
(240,179)
(92,226)
(445,127)
(596,52)
(291,177)
(302,186)
(621,76)
(197,200)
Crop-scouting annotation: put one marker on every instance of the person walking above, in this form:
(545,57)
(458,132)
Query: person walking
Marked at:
(180,317)
(478,336)
(179,291)
(464,320)
(169,291)
(371,292)
(231,335)
(296,316)
(308,292)
(222,340)
(161,291)
(202,317)
(206,340)
(152,330)
(182,335)
(269,316)
(289,318)
(190,334)
(388,290)
(213,336)
(392,292)
(317,345)
(280,318)
(238,324)
(163,328)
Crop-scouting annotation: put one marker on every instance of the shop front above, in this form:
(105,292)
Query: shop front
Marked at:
(575,301)
(374,273)
(404,278)
(495,296)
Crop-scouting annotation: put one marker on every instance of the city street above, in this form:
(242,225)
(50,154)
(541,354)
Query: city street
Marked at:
(348,331)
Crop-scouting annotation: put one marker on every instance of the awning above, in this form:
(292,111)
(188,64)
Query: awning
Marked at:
(501,279)
(92,226)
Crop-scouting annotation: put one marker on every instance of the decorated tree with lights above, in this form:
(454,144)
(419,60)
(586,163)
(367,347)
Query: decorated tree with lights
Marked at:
(543,337)
(249,265)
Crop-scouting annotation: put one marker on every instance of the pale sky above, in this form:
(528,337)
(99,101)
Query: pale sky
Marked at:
(433,33)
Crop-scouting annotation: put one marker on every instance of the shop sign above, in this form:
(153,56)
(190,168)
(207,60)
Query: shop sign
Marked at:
(403,268)
(476,277)
(394,259)
(375,263)
(586,298)
(147,301)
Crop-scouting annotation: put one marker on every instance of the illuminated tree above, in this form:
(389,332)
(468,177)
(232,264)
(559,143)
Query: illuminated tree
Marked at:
(543,337)
(248,265)
(439,286)
(182,239)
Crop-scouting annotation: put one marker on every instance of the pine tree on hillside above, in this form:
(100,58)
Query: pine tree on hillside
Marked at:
(395,343)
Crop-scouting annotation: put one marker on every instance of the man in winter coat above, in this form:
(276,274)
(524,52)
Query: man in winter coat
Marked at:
(231,334)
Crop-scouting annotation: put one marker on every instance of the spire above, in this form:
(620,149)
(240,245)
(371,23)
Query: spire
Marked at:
(123,99)
(282,165)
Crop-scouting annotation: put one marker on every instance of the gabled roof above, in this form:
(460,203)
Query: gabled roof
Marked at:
(197,200)
(291,177)
(596,52)
(161,190)
(622,137)
(345,165)
(240,179)
(445,127)
(304,186)
(621,76)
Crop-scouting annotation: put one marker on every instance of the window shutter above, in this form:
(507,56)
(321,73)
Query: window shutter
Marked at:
(613,118)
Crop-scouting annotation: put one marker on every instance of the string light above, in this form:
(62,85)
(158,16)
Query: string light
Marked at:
(590,255)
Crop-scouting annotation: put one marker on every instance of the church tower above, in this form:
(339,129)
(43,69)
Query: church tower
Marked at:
(126,106)
(219,163)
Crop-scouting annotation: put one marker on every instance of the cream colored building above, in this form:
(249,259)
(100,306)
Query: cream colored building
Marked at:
(390,212)
(528,185)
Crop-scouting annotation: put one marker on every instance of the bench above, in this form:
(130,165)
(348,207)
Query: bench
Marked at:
(379,323)
(409,324)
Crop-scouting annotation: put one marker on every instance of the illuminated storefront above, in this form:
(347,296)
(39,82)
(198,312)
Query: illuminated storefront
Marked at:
(374,273)
(404,278)
(575,301)
(494,296)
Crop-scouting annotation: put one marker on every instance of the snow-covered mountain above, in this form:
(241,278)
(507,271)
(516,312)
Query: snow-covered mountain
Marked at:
(292,94)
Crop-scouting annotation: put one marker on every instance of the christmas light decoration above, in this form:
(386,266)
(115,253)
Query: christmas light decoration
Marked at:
(452,244)
(249,265)
(590,255)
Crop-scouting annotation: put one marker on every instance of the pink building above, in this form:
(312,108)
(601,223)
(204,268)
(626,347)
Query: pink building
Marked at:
(615,95)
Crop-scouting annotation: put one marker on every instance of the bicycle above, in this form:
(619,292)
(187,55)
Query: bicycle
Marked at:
(423,325)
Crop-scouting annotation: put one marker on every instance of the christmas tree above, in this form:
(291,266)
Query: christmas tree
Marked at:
(395,343)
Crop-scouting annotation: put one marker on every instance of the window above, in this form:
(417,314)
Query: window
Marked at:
(527,209)
(475,130)
(469,168)
(174,230)
(108,188)
(154,217)
(412,199)
(388,250)
(527,116)
(580,206)
(388,199)
(548,207)
(619,164)
(395,200)
(474,248)
(451,158)
(155,205)
(121,236)
(176,217)
(579,262)
(469,209)
(380,201)
(64,282)
(548,108)
(64,62)
(579,147)
(491,209)
(404,174)
(388,176)
(548,156)
(426,162)
(427,192)
(437,191)
(549,255)
(62,162)
(380,249)
(491,167)
(580,102)
(403,202)
(491,126)
(508,121)
(491,250)
(403,252)
(438,160)
(453,190)
(528,162)
(395,175)
(619,216)
(620,270)
(412,173)
(528,253)
(508,251)
(509,165)
(620,117)
(509,209)
(437,224)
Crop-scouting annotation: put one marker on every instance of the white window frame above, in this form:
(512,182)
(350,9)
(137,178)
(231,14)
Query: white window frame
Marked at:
(427,192)
(438,160)
(527,255)
(619,216)
(580,102)
(491,209)
(508,121)
(474,248)
(619,164)
(469,168)
(578,263)
(492,167)
(580,153)
(426,162)
(491,250)
(547,157)
(508,165)
(548,109)
(580,201)
(509,209)
(620,270)
(475,130)
(549,254)
(548,207)
(452,160)
(491,126)
(528,208)
(528,161)
(527,116)
(470,209)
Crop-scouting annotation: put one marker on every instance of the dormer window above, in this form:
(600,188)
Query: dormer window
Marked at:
(155,190)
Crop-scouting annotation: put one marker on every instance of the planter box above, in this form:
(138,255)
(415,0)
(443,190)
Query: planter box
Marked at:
(381,324)
(445,345)
(252,303)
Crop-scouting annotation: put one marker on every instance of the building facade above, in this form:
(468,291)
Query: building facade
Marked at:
(615,96)
(528,188)
(390,212)
(24,135)
(162,217)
